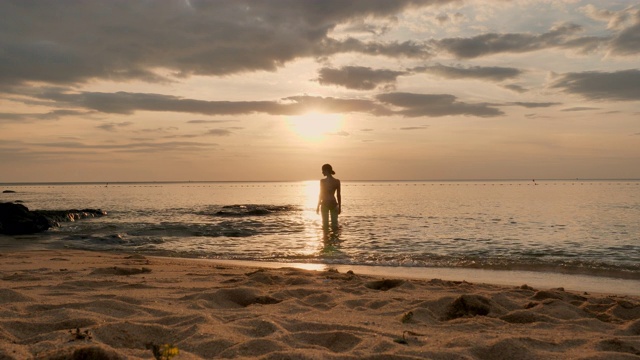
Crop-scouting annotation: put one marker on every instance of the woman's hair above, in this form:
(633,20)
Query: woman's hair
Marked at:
(327,168)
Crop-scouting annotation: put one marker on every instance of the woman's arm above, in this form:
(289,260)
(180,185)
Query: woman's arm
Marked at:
(339,195)
(319,198)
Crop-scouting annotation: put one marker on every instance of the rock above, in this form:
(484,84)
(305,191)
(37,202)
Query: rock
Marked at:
(70,215)
(16,219)
(8,192)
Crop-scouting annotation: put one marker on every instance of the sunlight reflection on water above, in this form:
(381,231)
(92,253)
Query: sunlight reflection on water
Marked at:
(556,226)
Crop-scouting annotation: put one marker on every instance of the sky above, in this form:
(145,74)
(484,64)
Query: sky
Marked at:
(237,90)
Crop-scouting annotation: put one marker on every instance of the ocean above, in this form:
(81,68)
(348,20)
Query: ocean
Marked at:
(546,226)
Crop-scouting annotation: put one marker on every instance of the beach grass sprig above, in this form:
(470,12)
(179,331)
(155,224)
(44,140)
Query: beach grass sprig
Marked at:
(407,317)
(403,339)
(164,351)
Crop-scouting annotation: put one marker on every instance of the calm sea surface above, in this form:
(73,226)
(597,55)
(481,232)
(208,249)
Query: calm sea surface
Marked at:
(588,227)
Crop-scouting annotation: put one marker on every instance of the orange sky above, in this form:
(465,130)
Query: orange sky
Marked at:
(271,90)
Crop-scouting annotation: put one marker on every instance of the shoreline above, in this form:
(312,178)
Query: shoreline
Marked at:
(595,282)
(539,279)
(65,304)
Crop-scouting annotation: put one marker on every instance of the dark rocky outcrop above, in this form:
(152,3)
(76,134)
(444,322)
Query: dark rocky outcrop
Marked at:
(8,192)
(70,215)
(253,210)
(16,219)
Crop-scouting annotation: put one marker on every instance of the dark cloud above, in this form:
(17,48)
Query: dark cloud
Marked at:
(627,24)
(411,105)
(219,132)
(128,103)
(579,108)
(536,116)
(495,43)
(67,41)
(129,147)
(51,115)
(594,85)
(492,73)
(114,126)
(454,18)
(534,104)
(366,78)
(358,77)
(408,49)
(627,41)
(586,44)
(409,128)
(515,87)
(415,105)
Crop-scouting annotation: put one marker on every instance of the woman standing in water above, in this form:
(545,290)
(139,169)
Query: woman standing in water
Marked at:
(327,202)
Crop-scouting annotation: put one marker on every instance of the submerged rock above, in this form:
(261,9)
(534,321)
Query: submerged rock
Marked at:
(16,219)
(70,215)
(253,210)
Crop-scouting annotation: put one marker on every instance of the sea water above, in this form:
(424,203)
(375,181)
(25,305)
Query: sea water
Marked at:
(562,227)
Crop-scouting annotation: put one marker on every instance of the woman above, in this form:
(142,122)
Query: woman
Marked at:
(327,200)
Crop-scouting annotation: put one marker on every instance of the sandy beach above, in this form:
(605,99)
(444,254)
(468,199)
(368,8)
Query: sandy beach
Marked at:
(68,304)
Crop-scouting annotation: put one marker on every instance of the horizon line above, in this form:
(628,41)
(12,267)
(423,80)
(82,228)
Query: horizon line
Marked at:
(292,181)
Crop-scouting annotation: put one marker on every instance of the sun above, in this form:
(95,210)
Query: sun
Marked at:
(314,126)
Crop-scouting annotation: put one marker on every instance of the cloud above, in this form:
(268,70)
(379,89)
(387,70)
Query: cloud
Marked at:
(579,108)
(158,130)
(395,49)
(129,147)
(595,85)
(534,104)
(51,115)
(128,103)
(495,43)
(113,126)
(491,73)
(219,132)
(614,19)
(415,105)
(516,88)
(411,105)
(208,121)
(627,41)
(410,128)
(455,18)
(357,77)
(125,39)
(366,78)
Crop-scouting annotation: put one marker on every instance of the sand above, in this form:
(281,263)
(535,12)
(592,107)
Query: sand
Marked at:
(67,304)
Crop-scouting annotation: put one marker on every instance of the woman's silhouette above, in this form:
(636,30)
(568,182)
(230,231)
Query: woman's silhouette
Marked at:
(327,203)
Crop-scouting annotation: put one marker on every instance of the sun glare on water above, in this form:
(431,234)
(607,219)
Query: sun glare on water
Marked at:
(314,126)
